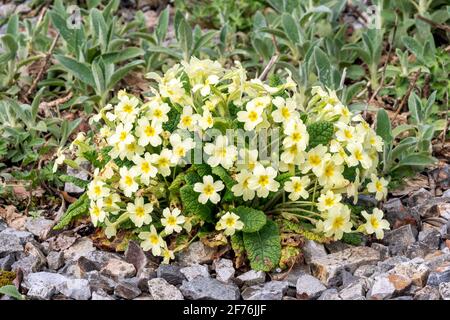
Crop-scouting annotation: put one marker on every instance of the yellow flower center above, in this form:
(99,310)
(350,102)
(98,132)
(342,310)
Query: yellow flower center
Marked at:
(348,134)
(186,121)
(145,167)
(97,190)
(285,112)
(128,180)
(229,222)
(329,202)
(314,160)
(378,186)
(123,136)
(96,211)
(163,162)
(358,155)
(157,113)
(338,222)
(298,187)
(253,116)
(180,151)
(221,152)
(297,136)
(128,108)
(108,202)
(208,190)
(153,239)
(171,221)
(329,170)
(140,212)
(263,180)
(149,131)
(374,222)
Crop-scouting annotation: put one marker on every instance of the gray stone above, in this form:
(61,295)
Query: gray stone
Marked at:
(209,288)
(80,248)
(382,289)
(195,271)
(400,239)
(439,276)
(135,255)
(437,261)
(388,264)
(309,287)
(273,290)
(23,236)
(337,246)
(312,250)
(55,260)
(28,264)
(446,194)
(118,269)
(7,261)
(171,273)
(42,285)
(40,227)
(329,269)
(403,298)
(224,270)
(397,214)
(127,290)
(9,244)
(251,278)
(384,251)
(291,275)
(419,197)
(353,291)
(86,265)
(99,282)
(101,295)
(197,253)
(7,9)
(366,271)
(3,225)
(414,269)
(348,278)
(330,294)
(435,207)
(430,238)
(427,293)
(143,276)
(160,289)
(444,290)
(77,289)
(417,250)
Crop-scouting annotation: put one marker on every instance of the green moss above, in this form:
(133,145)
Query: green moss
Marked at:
(6,278)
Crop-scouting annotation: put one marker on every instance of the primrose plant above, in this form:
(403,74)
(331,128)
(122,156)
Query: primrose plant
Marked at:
(211,152)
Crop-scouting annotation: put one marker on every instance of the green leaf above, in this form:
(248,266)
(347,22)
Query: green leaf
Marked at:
(163,24)
(11,291)
(75,210)
(80,70)
(76,181)
(120,73)
(192,177)
(264,247)
(320,132)
(417,160)
(202,169)
(323,67)
(185,38)
(291,28)
(119,56)
(384,129)
(189,199)
(224,176)
(253,219)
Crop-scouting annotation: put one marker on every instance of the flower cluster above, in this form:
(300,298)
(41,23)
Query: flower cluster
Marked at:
(327,156)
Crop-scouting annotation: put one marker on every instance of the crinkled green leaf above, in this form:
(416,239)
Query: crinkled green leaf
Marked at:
(75,210)
(11,291)
(263,247)
(224,176)
(253,219)
(189,199)
(320,132)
